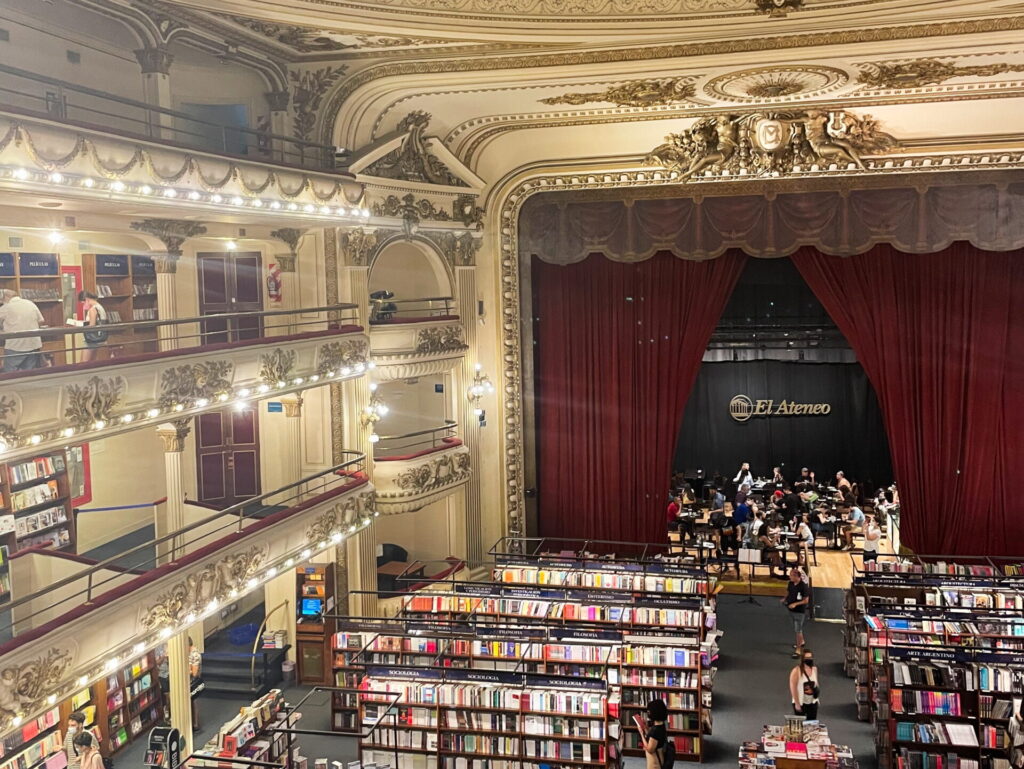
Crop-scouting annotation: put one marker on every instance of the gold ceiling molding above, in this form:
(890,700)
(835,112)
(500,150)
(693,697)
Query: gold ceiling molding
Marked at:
(778,7)
(312,40)
(339,517)
(771,144)
(214,582)
(411,210)
(634,93)
(650,53)
(919,73)
(773,83)
(25,687)
(93,402)
(630,183)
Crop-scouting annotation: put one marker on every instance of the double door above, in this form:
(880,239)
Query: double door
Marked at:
(230,283)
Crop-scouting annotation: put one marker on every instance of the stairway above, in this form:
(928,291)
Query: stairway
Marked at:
(228,674)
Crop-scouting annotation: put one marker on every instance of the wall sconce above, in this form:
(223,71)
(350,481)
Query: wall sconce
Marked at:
(481,386)
(373,412)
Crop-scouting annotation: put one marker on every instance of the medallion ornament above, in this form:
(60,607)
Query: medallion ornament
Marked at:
(771,144)
(438,340)
(308,90)
(763,83)
(337,355)
(24,688)
(924,72)
(213,582)
(93,402)
(468,212)
(778,7)
(413,161)
(194,381)
(277,366)
(441,471)
(659,92)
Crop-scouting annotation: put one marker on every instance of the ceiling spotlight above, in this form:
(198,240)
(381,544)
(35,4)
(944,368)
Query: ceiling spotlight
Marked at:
(237,201)
(55,237)
(275,205)
(308,208)
(145,189)
(257,204)
(232,245)
(293,207)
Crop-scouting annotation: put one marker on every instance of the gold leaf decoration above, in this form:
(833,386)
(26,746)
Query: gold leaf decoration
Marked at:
(193,381)
(636,93)
(94,401)
(25,687)
(439,340)
(336,355)
(277,366)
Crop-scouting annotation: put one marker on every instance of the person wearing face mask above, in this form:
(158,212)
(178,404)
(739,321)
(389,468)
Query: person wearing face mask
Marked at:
(655,739)
(803,687)
(76,725)
(89,751)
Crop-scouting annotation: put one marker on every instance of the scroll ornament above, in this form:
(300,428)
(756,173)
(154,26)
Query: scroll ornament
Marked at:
(771,144)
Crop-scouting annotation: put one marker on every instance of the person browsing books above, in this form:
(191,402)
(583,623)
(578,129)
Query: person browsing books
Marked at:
(88,751)
(76,725)
(655,738)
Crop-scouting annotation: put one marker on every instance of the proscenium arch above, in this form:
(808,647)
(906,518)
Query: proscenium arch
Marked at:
(417,245)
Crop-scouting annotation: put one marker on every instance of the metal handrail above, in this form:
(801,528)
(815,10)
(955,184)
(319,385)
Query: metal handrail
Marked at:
(447,430)
(259,638)
(383,310)
(237,511)
(321,155)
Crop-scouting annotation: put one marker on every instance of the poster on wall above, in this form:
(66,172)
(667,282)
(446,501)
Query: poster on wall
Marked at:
(79,476)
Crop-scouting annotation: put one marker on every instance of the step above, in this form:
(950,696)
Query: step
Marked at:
(234,689)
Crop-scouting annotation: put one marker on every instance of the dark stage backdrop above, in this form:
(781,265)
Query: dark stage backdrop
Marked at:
(851,437)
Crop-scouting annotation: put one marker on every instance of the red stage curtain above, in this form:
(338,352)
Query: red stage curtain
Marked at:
(618,348)
(942,340)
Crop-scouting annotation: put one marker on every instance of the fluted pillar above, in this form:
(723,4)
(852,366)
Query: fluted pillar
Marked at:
(469,423)
(179,685)
(156,89)
(171,517)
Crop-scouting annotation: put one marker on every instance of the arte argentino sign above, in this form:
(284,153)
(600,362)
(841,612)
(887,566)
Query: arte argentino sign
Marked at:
(742,408)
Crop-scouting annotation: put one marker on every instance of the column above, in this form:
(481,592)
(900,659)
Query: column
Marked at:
(179,685)
(172,517)
(469,423)
(361,547)
(167,299)
(156,89)
(279,149)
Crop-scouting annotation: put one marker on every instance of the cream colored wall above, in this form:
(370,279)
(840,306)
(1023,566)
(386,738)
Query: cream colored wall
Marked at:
(423,533)
(200,78)
(413,405)
(409,271)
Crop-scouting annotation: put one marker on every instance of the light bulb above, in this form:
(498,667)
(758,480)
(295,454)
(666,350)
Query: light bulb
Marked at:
(373,387)
(20,174)
(56,177)
(262,388)
(257,204)
(237,200)
(153,413)
(165,632)
(145,189)
(55,237)
(202,403)
(293,207)
(245,392)
(82,681)
(87,182)
(336,537)
(35,440)
(275,205)
(305,554)
(67,432)
(374,438)
(232,245)
(117,186)
(170,193)
(193,195)
(308,208)
(382,409)
(127,418)
(216,198)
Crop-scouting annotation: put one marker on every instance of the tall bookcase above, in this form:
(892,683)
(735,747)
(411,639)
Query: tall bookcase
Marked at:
(132,703)
(37,738)
(126,287)
(36,276)
(37,501)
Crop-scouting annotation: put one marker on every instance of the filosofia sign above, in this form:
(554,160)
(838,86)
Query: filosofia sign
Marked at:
(743,408)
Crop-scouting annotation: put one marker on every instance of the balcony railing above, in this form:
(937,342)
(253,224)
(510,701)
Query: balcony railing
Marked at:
(408,445)
(48,97)
(383,311)
(80,588)
(63,348)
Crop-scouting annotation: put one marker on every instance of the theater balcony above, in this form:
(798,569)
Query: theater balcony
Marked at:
(60,138)
(68,631)
(418,468)
(203,364)
(415,337)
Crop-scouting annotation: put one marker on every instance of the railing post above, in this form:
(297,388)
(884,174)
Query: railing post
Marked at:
(88,589)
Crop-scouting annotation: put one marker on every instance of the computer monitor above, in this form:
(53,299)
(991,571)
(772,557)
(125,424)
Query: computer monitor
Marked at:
(311,607)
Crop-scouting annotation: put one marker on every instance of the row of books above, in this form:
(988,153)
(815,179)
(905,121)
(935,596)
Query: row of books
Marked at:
(650,583)
(938,732)
(144,289)
(40,467)
(919,759)
(40,294)
(144,313)
(57,538)
(949,568)
(44,519)
(34,495)
(499,697)
(920,701)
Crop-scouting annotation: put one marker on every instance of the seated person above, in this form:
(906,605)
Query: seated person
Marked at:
(806,480)
(687,495)
(769,536)
(805,541)
(853,523)
(822,522)
(741,495)
(672,514)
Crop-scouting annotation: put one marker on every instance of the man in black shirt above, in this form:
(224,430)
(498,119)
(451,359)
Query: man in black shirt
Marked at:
(798,596)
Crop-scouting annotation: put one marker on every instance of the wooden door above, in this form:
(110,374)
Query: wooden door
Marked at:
(228,456)
(230,282)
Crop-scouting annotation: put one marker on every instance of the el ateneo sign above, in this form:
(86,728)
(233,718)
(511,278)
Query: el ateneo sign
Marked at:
(742,408)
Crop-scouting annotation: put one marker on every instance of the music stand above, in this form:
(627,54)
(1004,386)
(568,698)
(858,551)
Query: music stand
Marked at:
(749,556)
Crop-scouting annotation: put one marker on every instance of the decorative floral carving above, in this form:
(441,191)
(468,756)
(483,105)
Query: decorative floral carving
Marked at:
(310,40)
(771,143)
(776,82)
(7,432)
(411,211)
(290,236)
(308,90)
(468,212)
(923,72)
(211,583)
(339,517)
(440,339)
(173,436)
(335,355)
(94,401)
(25,687)
(277,366)
(358,246)
(458,248)
(192,381)
(413,161)
(441,471)
(172,233)
(778,7)
(657,92)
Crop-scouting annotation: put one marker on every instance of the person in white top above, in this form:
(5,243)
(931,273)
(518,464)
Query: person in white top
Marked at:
(19,314)
(744,476)
(803,687)
(872,538)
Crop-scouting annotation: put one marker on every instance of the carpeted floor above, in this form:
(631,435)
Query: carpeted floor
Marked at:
(750,690)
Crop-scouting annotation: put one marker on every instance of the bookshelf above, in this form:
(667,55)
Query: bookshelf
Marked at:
(30,745)
(36,277)
(126,287)
(36,503)
(314,598)
(251,735)
(132,702)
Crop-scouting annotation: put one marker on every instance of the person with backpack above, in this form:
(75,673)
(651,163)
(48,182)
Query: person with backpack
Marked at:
(95,316)
(660,750)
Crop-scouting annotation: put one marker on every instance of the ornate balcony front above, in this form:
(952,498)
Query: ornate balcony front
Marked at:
(221,359)
(415,469)
(415,337)
(77,629)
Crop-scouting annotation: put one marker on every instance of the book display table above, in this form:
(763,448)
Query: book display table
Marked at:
(799,744)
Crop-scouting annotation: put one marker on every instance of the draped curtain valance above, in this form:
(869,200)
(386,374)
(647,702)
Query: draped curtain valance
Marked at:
(924,220)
